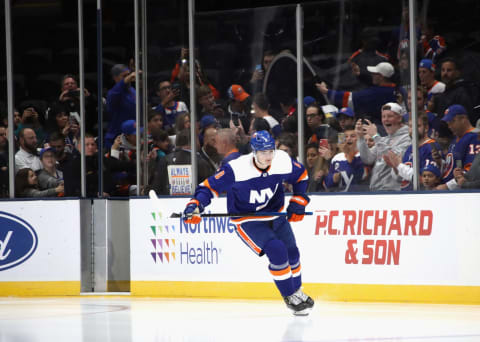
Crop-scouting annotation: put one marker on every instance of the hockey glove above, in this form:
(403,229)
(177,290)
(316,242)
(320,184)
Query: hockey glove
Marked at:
(191,214)
(296,208)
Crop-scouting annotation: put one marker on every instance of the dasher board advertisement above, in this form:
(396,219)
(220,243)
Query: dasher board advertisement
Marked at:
(414,239)
(39,242)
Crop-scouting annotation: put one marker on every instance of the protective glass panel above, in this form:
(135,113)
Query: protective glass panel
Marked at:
(4,163)
(356,64)
(247,81)
(168,169)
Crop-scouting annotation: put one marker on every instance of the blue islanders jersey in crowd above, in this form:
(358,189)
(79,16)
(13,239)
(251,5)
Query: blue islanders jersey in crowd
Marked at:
(170,113)
(424,156)
(351,174)
(464,149)
(250,189)
(368,101)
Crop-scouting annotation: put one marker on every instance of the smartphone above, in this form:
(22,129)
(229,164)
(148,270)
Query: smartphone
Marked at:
(341,138)
(74,93)
(258,67)
(323,143)
(234,118)
(459,164)
(176,86)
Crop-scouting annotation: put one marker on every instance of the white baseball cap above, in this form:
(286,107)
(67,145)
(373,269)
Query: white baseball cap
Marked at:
(385,69)
(394,107)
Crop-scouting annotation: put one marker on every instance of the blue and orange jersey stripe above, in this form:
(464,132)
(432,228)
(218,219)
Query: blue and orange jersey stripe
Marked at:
(247,240)
(207,185)
(303,176)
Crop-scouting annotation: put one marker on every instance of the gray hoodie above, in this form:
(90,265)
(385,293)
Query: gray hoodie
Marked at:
(382,179)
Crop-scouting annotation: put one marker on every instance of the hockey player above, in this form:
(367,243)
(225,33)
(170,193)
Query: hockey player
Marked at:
(253,183)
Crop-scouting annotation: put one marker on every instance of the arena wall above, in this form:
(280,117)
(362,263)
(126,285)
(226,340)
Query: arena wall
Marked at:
(392,247)
(40,247)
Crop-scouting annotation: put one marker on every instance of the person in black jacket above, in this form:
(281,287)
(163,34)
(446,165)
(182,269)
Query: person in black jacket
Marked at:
(182,155)
(72,171)
(457,90)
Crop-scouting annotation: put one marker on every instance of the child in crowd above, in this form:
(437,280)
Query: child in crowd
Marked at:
(431,177)
(26,185)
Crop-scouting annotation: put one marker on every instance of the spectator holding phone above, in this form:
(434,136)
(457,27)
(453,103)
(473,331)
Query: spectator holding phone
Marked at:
(121,101)
(70,99)
(397,141)
(31,119)
(256,81)
(169,106)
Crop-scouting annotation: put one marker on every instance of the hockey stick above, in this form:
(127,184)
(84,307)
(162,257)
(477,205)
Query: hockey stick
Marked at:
(180,215)
(153,196)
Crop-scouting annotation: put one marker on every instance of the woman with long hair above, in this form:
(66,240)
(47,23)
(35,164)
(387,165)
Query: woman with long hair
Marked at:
(26,185)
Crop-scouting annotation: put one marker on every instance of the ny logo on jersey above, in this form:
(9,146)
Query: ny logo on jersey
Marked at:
(347,180)
(264,196)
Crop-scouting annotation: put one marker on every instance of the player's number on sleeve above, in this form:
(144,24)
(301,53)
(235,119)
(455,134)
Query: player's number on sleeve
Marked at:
(474,149)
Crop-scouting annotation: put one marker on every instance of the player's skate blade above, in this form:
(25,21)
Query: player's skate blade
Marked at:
(297,305)
(304,312)
(305,298)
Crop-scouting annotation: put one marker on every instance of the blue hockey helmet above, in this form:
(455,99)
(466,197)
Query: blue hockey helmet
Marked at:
(261,141)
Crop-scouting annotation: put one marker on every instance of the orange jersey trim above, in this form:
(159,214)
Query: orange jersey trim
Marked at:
(247,240)
(207,184)
(303,176)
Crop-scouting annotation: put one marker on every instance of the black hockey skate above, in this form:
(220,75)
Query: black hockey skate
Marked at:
(299,303)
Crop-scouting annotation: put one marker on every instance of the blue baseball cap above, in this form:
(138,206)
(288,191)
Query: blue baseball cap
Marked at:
(130,127)
(207,120)
(47,149)
(453,111)
(308,100)
(427,64)
(433,169)
(347,111)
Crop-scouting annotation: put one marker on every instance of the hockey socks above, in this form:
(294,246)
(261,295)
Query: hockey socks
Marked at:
(280,267)
(294,260)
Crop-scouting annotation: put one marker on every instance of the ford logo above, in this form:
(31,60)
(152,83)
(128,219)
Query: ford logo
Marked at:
(18,241)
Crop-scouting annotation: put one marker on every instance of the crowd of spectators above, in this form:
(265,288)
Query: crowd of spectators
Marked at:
(360,141)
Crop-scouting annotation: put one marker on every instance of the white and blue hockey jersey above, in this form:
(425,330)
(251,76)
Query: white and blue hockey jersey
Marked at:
(250,189)
(425,158)
(351,173)
(461,149)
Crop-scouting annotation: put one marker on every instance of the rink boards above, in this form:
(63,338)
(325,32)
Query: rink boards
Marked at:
(40,247)
(418,247)
(389,247)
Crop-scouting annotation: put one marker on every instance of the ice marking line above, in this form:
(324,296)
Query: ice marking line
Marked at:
(80,306)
